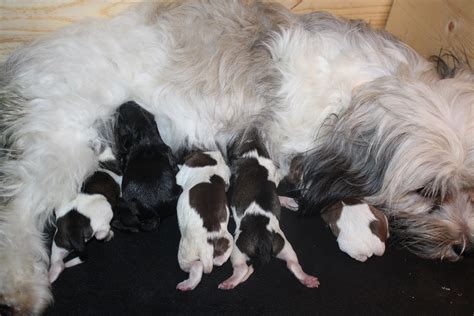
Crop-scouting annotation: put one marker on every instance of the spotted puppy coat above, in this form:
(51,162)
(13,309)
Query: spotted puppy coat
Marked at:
(203,215)
(86,216)
(256,209)
(360,228)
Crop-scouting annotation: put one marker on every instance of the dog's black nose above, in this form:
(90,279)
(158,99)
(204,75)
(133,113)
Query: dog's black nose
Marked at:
(460,249)
(5,310)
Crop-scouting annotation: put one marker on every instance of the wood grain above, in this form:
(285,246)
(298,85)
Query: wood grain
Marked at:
(433,25)
(24,20)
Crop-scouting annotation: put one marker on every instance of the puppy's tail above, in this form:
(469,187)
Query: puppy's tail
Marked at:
(262,254)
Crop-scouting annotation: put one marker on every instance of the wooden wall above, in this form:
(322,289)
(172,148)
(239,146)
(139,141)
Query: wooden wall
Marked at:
(433,25)
(23,20)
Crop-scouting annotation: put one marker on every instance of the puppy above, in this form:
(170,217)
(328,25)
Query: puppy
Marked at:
(256,209)
(360,228)
(149,189)
(87,216)
(203,215)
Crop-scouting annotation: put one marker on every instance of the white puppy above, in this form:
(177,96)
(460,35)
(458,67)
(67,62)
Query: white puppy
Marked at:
(203,215)
(360,228)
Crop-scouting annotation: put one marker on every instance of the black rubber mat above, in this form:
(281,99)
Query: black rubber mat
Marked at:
(136,274)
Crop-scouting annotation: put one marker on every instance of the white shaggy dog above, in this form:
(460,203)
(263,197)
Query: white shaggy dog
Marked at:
(382,124)
(203,216)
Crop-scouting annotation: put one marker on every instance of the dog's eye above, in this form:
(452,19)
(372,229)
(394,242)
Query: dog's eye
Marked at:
(433,209)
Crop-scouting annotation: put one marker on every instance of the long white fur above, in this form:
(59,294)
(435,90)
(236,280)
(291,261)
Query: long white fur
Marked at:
(195,253)
(204,86)
(355,237)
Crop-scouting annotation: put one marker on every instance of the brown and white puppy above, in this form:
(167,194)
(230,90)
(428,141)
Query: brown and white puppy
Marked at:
(87,216)
(360,228)
(203,215)
(256,209)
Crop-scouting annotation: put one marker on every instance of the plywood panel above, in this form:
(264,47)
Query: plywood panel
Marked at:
(431,25)
(23,20)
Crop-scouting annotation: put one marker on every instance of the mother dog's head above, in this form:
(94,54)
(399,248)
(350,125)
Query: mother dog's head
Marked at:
(408,146)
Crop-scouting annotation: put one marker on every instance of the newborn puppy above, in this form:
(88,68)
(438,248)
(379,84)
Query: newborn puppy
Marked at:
(149,189)
(87,216)
(360,228)
(256,209)
(203,215)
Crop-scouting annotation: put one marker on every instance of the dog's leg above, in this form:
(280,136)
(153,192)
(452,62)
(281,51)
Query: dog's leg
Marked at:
(73,262)
(195,275)
(47,174)
(288,254)
(57,262)
(241,270)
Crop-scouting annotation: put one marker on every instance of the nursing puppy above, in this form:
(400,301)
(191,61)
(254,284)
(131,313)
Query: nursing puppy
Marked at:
(149,189)
(360,228)
(87,216)
(256,209)
(203,215)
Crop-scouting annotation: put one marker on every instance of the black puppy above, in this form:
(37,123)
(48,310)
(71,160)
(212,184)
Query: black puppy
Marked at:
(149,189)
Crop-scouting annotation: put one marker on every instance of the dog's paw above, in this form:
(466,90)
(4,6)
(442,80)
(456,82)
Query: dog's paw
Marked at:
(288,203)
(150,224)
(185,286)
(227,285)
(310,281)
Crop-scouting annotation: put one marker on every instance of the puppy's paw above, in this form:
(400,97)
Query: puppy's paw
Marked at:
(124,228)
(150,224)
(230,283)
(288,203)
(186,285)
(310,281)
(227,285)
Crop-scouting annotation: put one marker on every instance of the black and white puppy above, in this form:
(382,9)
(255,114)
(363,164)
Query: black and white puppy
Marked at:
(85,217)
(203,215)
(149,189)
(360,228)
(256,209)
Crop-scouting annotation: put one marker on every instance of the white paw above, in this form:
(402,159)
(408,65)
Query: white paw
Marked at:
(186,285)
(228,284)
(310,281)
(288,203)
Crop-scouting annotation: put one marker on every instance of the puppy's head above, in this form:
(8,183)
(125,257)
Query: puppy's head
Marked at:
(73,231)
(134,125)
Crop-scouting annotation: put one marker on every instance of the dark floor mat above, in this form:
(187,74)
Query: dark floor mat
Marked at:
(137,274)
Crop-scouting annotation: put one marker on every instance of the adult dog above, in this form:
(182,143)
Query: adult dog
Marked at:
(371,117)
